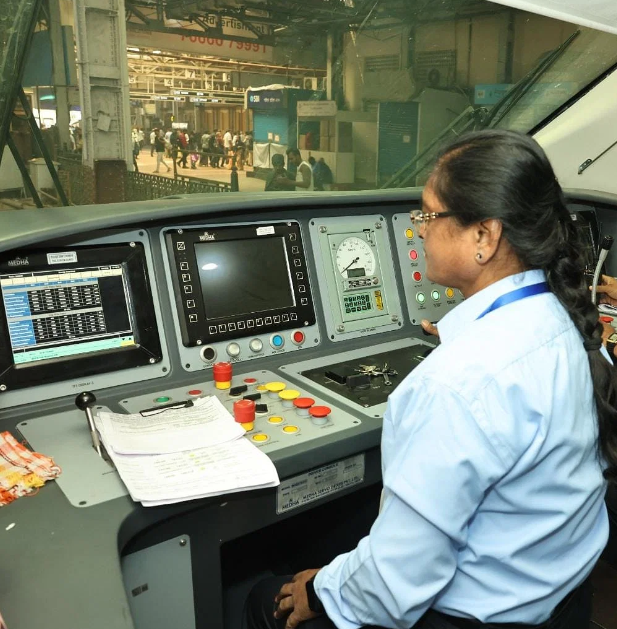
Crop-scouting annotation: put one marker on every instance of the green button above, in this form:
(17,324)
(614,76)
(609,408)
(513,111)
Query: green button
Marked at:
(162,399)
(435,295)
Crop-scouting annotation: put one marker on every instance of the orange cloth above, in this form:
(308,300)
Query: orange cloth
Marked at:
(21,470)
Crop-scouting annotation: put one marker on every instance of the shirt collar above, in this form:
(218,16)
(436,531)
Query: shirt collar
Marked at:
(470,309)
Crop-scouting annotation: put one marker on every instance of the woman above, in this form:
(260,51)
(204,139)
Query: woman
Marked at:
(496,449)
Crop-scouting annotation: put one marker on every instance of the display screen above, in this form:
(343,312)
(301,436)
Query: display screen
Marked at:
(55,315)
(240,277)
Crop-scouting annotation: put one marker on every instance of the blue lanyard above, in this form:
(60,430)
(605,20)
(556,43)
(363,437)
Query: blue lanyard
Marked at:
(515,295)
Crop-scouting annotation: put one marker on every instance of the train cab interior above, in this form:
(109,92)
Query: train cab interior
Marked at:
(311,300)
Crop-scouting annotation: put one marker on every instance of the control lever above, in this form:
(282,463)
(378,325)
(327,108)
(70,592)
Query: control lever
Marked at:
(605,247)
(84,402)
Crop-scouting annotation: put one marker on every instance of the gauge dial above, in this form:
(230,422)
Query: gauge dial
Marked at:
(353,254)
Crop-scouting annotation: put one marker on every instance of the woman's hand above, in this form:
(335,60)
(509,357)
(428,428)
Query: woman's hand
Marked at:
(429,328)
(292,600)
(607,291)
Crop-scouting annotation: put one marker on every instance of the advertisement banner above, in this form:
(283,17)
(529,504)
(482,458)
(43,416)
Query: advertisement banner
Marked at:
(201,45)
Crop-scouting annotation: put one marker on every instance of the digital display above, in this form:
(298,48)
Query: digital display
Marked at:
(240,277)
(54,315)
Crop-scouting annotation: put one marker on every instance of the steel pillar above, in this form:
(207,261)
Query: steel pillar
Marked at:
(100,32)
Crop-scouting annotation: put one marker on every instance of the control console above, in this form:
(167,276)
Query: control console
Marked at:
(241,292)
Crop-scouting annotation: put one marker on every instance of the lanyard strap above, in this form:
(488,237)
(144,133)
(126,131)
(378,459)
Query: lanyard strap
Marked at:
(516,295)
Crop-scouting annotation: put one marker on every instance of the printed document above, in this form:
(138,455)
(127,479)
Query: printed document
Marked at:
(206,423)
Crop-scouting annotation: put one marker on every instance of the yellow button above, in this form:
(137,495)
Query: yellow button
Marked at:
(275,387)
(289,394)
(290,429)
(409,233)
(276,419)
(449,293)
(260,437)
(261,387)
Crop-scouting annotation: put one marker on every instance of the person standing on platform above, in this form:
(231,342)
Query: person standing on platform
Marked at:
(325,174)
(227,147)
(248,145)
(497,448)
(159,147)
(205,147)
(304,176)
(279,170)
(152,139)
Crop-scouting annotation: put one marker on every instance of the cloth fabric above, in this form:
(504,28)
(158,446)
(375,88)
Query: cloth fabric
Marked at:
(493,491)
(21,470)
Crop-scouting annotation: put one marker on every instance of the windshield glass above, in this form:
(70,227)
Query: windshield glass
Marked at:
(193,96)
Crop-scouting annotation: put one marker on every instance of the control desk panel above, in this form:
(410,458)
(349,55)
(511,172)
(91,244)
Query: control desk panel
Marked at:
(314,300)
(88,315)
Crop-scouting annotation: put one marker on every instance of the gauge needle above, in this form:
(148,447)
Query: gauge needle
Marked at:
(350,264)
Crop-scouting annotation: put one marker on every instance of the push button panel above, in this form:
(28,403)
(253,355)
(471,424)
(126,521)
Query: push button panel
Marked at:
(425,299)
(285,414)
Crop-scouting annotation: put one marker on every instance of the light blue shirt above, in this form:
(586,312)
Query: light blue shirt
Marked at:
(493,491)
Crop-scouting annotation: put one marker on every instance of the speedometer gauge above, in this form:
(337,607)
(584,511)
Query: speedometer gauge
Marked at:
(354,254)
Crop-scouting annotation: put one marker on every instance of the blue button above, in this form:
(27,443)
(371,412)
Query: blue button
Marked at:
(277,340)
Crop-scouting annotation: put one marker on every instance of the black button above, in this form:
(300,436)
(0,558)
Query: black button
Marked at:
(209,353)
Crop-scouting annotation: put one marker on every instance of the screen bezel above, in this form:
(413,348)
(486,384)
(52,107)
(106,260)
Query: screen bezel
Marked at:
(146,351)
(184,260)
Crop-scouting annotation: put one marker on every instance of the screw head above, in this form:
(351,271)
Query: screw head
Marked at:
(377,225)
(182,542)
(323,229)
(340,328)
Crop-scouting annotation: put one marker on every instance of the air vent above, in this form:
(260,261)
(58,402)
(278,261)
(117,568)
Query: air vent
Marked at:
(381,63)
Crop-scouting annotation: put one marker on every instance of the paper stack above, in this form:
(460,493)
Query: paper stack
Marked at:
(183,453)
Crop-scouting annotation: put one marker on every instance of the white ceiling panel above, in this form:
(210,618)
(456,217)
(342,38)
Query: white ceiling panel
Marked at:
(600,14)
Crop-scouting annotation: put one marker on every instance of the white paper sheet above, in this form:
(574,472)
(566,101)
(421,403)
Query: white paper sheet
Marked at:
(167,478)
(204,424)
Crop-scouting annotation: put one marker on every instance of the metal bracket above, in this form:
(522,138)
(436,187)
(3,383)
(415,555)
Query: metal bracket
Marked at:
(588,162)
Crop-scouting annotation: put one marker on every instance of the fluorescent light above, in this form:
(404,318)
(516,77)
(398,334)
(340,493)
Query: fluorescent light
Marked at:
(156,52)
(210,266)
(133,49)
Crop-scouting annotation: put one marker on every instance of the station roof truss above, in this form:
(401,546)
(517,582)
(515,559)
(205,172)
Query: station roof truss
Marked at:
(277,21)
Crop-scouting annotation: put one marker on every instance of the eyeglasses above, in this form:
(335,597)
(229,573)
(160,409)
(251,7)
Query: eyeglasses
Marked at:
(418,217)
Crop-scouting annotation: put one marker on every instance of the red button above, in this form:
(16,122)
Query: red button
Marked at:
(304,402)
(298,337)
(244,411)
(320,411)
(250,380)
(413,254)
(222,372)
(606,319)
(417,276)
(195,392)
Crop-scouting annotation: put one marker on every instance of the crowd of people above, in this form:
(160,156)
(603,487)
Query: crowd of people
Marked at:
(216,149)
(225,149)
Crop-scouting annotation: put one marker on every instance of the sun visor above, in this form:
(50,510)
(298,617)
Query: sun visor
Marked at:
(598,14)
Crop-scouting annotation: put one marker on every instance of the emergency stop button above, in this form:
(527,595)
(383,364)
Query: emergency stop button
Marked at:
(319,414)
(302,405)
